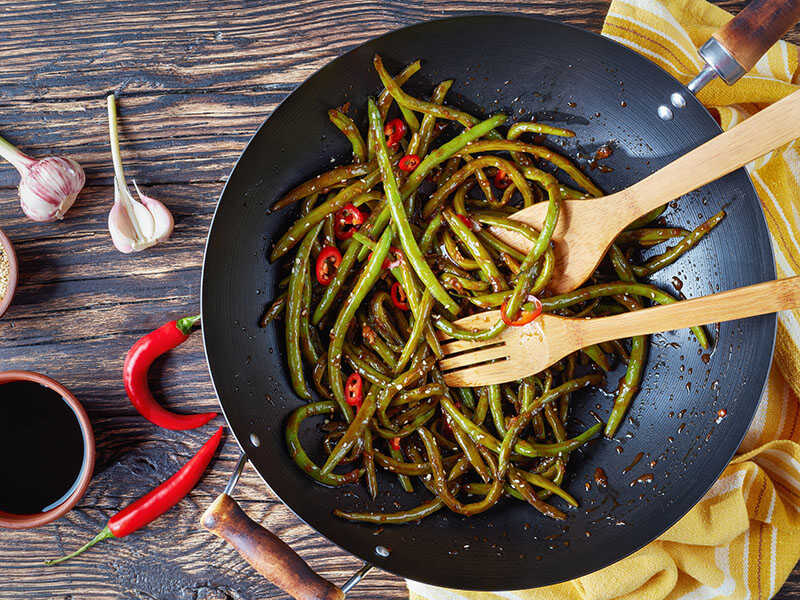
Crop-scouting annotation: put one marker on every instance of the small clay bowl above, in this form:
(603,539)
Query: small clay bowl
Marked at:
(15,521)
(13,272)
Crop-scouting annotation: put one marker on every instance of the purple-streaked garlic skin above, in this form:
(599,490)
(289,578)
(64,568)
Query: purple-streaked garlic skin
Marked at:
(48,187)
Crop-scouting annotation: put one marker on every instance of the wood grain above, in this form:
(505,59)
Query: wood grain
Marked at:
(195,80)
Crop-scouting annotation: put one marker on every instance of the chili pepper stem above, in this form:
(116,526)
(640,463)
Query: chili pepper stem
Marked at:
(14,155)
(103,535)
(186,323)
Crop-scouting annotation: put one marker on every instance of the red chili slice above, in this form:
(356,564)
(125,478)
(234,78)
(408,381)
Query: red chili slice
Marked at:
(353,390)
(465,220)
(395,443)
(501,180)
(394,130)
(395,258)
(327,263)
(525,317)
(399,296)
(409,162)
(346,221)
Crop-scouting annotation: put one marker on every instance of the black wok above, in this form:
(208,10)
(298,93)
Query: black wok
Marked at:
(605,93)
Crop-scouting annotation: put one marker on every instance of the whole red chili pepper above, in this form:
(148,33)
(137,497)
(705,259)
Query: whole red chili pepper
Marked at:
(134,375)
(148,508)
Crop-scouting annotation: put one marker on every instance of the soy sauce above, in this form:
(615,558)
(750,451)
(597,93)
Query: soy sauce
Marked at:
(41,448)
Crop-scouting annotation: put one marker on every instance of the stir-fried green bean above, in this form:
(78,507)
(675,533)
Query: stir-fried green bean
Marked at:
(417,251)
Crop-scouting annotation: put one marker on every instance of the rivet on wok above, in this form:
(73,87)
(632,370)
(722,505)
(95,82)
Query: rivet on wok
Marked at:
(665,112)
(255,440)
(382,551)
(677,99)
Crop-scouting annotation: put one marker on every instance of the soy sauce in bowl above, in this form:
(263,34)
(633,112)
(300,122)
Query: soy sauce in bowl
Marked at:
(42,448)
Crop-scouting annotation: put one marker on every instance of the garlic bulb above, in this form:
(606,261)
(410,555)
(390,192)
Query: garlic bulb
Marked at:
(134,224)
(48,186)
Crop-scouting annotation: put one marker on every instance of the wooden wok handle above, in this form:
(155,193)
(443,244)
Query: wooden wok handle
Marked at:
(266,553)
(752,32)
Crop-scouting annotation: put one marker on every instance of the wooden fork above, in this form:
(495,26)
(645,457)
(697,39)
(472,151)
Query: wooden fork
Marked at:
(521,351)
(586,228)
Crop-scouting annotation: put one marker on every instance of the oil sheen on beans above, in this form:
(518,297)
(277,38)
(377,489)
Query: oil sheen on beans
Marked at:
(41,448)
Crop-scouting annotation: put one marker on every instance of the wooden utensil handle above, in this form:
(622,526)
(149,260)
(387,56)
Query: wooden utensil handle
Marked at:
(750,301)
(760,24)
(768,129)
(267,553)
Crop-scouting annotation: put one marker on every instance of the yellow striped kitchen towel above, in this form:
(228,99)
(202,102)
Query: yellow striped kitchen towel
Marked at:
(743,539)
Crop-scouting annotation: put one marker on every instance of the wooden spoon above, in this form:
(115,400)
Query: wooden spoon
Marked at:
(586,228)
(521,351)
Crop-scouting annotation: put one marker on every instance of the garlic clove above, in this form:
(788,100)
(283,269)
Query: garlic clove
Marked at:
(137,225)
(134,224)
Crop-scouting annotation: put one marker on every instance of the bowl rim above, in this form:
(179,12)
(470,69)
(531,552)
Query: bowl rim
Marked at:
(17,521)
(13,272)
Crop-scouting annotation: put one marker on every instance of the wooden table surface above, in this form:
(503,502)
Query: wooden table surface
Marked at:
(195,80)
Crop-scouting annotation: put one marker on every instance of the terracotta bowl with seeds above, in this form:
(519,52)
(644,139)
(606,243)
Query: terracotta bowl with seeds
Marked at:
(8,272)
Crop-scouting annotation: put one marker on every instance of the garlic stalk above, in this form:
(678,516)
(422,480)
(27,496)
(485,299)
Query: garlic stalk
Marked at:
(48,186)
(134,224)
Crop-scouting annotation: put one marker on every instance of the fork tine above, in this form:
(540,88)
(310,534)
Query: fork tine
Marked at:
(486,374)
(464,345)
(471,358)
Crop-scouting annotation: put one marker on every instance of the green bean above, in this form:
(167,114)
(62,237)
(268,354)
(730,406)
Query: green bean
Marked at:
(339,175)
(274,310)
(417,333)
(459,177)
(451,250)
(420,393)
(369,465)
(403,99)
(483,438)
(525,277)
(319,375)
(348,128)
(470,241)
(333,288)
(309,342)
(365,370)
(380,347)
(471,453)
(398,466)
(366,280)
(650,236)
(519,484)
(306,223)
(517,129)
(645,220)
(428,121)
(394,518)
(382,323)
(354,431)
(496,409)
(400,219)
(541,152)
(548,485)
(596,354)
(675,252)
(441,485)
(494,242)
(299,455)
(294,310)
(429,236)
(629,384)
(446,151)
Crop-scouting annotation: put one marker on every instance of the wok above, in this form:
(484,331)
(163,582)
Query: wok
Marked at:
(527,67)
